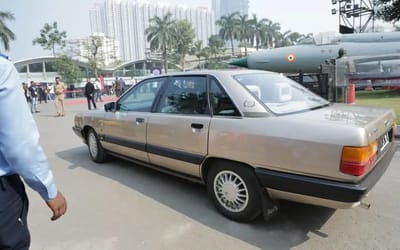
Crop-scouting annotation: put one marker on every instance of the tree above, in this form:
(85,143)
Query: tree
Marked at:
(50,36)
(68,69)
(288,38)
(229,27)
(388,10)
(245,30)
(93,46)
(259,29)
(214,49)
(184,37)
(5,33)
(198,51)
(272,34)
(160,34)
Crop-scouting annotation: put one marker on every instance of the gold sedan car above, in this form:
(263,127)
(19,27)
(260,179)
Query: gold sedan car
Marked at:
(252,137)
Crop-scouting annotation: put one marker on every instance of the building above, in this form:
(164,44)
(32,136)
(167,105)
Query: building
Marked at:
(127,21)
(109,52)
(42,70)
(226,7)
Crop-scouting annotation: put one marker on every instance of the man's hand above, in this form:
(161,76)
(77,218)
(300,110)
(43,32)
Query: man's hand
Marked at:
(58,205)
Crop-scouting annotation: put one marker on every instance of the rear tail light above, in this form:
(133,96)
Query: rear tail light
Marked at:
(357,160)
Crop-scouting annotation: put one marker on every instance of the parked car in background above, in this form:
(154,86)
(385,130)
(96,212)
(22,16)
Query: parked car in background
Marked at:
(252,137)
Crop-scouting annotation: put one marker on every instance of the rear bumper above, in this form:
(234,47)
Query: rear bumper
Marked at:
(322,188)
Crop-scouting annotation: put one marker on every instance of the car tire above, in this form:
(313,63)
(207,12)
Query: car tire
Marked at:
(234,190)
(96,151)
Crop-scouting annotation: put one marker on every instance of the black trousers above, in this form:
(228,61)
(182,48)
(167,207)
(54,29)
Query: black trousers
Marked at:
(89,99)
(14,232)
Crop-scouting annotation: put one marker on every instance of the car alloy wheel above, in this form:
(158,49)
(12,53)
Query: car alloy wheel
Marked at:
(231,191)
(92,143)
(96,151)
(234,190)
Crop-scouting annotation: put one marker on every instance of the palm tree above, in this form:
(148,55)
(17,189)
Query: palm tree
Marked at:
(160,34)
(228,30)
(259,28)
(245,29)
(272,34)
(5,33)
(288,38)
(184,36)
(198,50)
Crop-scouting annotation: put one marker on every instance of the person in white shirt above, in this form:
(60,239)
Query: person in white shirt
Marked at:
(52,95)
(97,90)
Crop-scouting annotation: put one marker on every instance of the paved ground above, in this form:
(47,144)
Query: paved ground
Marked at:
(118,205)
(78,101)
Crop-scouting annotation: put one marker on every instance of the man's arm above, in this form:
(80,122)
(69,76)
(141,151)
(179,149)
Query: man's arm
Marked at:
(20,151)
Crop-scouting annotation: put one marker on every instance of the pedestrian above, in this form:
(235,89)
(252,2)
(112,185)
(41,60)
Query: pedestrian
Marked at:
(59,89)
(26,91)
(89,93)
(22,160)
(98,90)
(44,93)
(52,94)
(117,88)
(33,91)
(40,92)
(122,84)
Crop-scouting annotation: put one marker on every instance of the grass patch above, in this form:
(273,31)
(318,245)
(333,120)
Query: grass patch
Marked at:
(381,98)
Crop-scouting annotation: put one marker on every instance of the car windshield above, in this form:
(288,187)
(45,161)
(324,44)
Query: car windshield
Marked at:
(280,94)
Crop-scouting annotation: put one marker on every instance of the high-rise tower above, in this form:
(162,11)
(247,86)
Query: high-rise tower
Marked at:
(127,21)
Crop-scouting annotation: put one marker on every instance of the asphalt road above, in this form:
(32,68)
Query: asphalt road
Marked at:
(118,205)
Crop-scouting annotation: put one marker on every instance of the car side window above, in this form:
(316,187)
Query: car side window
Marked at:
(221,103)
(142,96)
(185,95)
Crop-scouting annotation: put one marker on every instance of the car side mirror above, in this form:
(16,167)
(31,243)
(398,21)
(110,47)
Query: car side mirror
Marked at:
(109,106)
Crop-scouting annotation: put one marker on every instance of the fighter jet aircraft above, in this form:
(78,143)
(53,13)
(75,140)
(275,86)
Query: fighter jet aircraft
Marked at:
(307,57)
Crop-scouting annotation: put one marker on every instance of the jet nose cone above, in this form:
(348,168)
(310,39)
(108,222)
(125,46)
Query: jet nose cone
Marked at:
(242,62)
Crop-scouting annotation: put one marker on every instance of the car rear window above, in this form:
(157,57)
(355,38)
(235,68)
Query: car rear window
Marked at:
(280,94)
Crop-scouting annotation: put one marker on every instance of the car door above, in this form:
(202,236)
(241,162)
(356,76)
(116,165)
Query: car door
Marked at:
(177,132)
(124,130)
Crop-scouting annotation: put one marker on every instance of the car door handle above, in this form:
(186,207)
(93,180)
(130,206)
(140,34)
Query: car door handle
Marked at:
(139,120)
(197,125)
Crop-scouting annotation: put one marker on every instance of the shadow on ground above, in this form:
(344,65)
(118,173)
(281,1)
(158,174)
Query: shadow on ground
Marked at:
(290,228)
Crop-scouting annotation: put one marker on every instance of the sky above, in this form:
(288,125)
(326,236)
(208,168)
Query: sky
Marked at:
(306,16)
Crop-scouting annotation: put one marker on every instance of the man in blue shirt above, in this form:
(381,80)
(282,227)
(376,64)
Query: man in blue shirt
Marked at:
(21,156)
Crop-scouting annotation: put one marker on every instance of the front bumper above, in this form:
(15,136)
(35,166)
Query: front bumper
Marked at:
(322,188)
(78,131)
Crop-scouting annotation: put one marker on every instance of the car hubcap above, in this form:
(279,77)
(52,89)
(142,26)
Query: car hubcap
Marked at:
(93,144)
(231,191)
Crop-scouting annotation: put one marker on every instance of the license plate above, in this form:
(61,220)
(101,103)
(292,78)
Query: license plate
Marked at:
(384,141)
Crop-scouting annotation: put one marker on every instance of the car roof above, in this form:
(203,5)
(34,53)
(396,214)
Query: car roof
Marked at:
(225,72)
